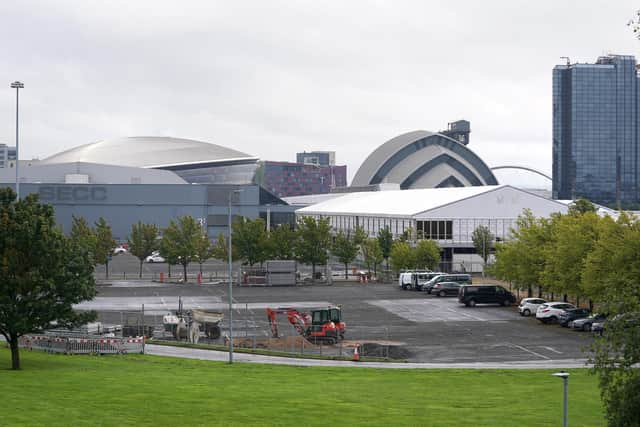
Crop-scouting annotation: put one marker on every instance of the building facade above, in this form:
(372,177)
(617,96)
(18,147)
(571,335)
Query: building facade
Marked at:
(448,216)
(285,179)
(595,130)
(319,158)
(7,155)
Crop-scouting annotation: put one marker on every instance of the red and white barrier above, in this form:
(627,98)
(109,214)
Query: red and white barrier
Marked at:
(75,345)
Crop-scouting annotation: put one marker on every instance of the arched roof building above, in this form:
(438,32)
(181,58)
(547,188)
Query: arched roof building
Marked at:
(194,161)
(422,159)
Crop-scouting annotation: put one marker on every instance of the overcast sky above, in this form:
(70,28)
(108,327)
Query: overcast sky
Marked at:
(271,78)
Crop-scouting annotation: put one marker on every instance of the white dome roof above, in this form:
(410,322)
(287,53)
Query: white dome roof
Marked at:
(149,152)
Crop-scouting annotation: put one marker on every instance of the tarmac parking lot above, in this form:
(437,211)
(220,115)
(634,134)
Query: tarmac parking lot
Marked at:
(426,327)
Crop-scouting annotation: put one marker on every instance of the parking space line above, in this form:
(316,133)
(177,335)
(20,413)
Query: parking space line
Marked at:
(458,312)
(552,349)
(529,351)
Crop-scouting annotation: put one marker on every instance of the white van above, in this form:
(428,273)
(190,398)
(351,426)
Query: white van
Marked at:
(415,279)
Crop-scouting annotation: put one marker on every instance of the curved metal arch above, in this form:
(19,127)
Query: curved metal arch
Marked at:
(476,162)
(442,158)
(523,168)
(452,181)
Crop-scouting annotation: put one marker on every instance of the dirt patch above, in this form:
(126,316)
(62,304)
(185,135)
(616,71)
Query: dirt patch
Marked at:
(282,343)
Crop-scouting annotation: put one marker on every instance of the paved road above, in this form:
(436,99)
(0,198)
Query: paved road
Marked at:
(428,329)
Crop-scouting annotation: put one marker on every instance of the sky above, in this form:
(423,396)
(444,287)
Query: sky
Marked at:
(272,78)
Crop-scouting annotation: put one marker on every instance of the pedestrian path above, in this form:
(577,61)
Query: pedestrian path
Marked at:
(223,356)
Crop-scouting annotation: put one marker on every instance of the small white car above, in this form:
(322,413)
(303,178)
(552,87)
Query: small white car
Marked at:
(529,305)
(549,312)
(154,257)
(120,250)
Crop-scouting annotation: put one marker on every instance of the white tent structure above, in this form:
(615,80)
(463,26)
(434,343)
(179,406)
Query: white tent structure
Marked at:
(447,215)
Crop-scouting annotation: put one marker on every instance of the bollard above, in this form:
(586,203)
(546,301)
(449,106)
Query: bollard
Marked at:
(199,279)
(162,277)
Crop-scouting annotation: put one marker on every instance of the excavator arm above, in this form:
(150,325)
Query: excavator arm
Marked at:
(299,320)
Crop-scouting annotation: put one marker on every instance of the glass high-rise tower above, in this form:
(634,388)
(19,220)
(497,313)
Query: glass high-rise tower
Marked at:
(595,130)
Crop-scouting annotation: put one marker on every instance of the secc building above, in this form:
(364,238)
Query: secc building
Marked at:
(149,179)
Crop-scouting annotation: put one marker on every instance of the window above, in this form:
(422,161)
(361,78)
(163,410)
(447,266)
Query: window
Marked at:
(435,230)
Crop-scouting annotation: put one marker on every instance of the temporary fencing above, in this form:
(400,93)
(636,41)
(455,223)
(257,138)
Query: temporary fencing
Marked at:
(82,345)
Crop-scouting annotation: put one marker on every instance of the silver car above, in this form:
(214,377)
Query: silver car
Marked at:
(586,323)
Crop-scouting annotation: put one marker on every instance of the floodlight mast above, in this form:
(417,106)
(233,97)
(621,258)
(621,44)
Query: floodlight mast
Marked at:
(17,86)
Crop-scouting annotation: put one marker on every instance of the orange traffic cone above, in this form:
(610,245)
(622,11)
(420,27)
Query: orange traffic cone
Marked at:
(356,355)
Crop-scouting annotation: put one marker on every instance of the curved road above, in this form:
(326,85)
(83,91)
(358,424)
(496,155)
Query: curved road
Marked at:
(222,356)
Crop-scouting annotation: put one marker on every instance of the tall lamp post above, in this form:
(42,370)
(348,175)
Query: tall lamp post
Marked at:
(17,86)
(230,249)
(565,379)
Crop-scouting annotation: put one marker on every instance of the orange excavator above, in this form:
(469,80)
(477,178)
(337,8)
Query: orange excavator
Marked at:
(321,325)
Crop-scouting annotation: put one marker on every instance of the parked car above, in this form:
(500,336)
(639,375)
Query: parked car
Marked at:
(550,312)
(598,327)
(529,305)
(416,279)
(586,324)
(444,289)
(120,250)
(470,295)
(154,257)
(463,279)
(571,315)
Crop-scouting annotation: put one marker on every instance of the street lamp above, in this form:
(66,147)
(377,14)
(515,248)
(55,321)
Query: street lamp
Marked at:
(231,193)
(17,86)
(565,379)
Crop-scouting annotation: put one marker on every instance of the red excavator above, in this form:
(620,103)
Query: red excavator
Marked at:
(321,325)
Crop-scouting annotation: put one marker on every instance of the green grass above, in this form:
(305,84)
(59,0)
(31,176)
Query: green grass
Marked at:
(157,391)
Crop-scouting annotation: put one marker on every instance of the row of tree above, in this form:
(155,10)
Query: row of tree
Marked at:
(311,242)
(596,258)
(184,241)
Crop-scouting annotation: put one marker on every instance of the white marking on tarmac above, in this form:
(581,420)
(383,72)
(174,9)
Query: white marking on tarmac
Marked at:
(460,313)
(530,351)
(552,349)
(425,310)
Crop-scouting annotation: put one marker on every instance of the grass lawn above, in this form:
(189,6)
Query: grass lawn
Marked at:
(158,391)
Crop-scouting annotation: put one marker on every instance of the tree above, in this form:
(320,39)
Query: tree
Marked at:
(385,239)
(344,248)
(203,250)
(482,241)
(43,273)
(359,235)
(402,256)
(522,260)
(573,237)
(249,239)
(83,236)
(143,241)
(179,241)
(582,206)
(613,268)
(312,243)
(427,254)
(105,244)
(372,254)
(220,248)
(281,242)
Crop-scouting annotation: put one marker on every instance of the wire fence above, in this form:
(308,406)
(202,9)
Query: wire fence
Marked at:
(253,331)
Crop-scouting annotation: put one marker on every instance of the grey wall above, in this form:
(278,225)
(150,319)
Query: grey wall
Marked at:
(124,205)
